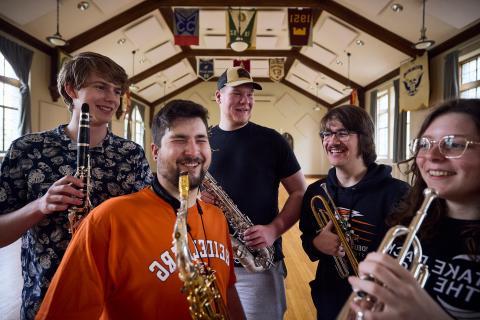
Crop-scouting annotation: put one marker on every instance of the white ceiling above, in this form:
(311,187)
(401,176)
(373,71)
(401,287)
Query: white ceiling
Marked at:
(320,70)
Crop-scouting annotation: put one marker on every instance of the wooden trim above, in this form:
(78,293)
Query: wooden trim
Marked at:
(389,76)
(341,101)
(25,37)
(230,53)
(305,93)
(373,29)
(177,92)
(328,72)
(140,99)
(158,67)
(111,25)
(455,41)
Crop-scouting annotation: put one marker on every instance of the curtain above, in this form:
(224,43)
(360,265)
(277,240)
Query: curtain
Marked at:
(399,127)
(21,60)
(450,79)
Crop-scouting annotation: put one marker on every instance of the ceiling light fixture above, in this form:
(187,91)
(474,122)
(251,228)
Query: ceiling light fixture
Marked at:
(132,86)
(121,41)
(423,43)
(396,7)
(359,43)
(57,39)
(317,107)
(83,5)
(348,88)
(239,44)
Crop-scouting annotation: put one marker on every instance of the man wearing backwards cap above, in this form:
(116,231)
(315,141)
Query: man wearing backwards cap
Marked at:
(249,162)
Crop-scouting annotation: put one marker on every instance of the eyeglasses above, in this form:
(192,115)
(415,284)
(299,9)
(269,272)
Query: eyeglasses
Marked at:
(342,134)
(451,147)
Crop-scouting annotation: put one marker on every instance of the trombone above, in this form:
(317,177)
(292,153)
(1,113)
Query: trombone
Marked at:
(419,270)
(342,229)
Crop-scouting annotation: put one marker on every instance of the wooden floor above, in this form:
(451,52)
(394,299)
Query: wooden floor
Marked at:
(300,272)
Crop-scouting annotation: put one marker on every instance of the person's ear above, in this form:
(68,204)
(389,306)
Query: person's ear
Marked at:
(154,149)
(218,96)
(70,90)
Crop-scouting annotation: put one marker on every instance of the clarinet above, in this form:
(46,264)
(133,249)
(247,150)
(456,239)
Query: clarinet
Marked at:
(77,213)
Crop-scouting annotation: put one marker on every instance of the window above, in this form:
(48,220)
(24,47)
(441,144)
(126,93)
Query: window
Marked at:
(384,122)
(9,105)
(470,78)
(137,126)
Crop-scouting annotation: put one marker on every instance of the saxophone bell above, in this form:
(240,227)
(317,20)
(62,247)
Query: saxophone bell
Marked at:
(419,271)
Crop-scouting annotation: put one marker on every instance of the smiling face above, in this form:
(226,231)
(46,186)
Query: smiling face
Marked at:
(183,147)
(454,179)
(103,98)
(236,104)
(342,154)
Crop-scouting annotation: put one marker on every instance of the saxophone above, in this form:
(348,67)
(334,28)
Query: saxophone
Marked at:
(200,286)
(77,213)
(254,260)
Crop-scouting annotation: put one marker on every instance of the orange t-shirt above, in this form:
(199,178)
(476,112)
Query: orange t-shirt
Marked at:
(120,264)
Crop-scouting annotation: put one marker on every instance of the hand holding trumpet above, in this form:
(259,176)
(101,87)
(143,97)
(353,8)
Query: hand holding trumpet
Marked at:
(396,289)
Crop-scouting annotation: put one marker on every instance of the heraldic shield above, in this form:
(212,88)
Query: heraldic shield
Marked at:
(205,69)
(276,69)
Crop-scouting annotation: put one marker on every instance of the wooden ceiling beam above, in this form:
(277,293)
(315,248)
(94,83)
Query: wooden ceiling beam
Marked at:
(111,25)
(328,72)
(177,92)
(370,27)
(25,37)
(158,67)
(306,93)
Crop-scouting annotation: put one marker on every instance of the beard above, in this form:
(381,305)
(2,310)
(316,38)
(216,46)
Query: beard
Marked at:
(172,172)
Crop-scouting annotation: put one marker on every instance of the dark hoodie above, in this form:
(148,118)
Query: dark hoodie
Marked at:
(367,204)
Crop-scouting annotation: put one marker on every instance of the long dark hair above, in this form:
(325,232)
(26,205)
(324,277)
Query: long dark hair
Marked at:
(438,210)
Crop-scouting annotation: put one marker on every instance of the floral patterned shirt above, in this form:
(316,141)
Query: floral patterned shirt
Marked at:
(33,163)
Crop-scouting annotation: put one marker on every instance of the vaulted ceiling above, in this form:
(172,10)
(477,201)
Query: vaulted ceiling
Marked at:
(378,39)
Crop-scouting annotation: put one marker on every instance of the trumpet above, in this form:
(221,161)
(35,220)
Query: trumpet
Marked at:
(342,228)
(419,270)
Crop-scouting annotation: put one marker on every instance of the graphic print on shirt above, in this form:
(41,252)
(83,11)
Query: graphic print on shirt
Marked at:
(362,231)
(204,249)
(453,282)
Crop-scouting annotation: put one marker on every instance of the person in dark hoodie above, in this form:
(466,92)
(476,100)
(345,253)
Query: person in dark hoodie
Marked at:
(364,193)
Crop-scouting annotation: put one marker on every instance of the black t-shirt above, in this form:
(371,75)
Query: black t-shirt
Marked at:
(454,280)
(248,163)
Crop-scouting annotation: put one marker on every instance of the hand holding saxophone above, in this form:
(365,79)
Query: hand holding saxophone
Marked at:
(397,290)
(260,236)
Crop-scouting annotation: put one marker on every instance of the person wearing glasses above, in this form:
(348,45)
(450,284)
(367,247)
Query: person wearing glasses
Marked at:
(364,193)
(446,157)
(37,183)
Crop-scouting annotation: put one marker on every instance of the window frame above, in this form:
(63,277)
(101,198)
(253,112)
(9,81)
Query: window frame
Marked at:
(464,87)
(15,82)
